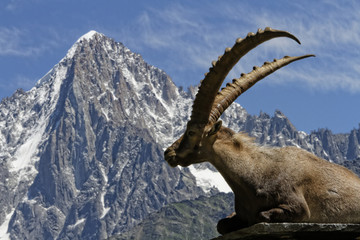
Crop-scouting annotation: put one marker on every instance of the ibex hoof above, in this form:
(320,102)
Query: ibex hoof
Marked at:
(230,224)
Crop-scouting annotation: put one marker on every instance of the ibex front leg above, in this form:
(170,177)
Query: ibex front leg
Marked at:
(230,224)
(297,211)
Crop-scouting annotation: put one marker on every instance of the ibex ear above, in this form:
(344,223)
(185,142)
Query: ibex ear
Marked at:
(215,128)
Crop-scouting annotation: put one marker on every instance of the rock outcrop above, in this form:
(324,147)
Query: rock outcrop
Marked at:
(266,231)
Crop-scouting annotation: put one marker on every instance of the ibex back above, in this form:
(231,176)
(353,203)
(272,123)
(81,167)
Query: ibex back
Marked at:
(270,184)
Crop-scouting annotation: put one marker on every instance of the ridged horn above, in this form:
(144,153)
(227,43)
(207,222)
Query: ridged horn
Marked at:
(213,80)
(233,90)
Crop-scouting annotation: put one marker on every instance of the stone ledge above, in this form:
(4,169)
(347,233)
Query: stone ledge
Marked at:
(270,231)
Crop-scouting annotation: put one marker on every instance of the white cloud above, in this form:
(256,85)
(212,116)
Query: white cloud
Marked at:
(19,81)
(178,27)
(12,43)
(27,43)
(14,5)
(11,5)
(190,38)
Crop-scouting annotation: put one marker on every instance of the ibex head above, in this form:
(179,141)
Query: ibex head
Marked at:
(202,129)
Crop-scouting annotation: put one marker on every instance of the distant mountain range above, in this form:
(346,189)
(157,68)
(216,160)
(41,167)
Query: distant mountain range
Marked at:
(81,153)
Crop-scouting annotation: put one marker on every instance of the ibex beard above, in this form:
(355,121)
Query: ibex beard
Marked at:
(270,184)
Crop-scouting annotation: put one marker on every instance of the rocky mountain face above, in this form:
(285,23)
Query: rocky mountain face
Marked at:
(81,153)
(188,219)
(343,149)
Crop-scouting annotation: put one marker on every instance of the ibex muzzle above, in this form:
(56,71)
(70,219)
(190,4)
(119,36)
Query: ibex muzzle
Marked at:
(270,184)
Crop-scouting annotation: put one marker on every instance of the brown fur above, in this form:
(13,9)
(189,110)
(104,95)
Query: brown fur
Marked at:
(275,184)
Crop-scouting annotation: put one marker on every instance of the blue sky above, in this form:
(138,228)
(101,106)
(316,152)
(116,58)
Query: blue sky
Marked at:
(183,37)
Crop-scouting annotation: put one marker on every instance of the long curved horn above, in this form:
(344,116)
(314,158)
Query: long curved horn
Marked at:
(213,80)
(233,90)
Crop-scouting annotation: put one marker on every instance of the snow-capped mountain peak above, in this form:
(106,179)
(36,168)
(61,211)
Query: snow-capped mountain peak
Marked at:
(89,35)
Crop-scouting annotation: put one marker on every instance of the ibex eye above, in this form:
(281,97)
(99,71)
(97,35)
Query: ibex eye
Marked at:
(191,133)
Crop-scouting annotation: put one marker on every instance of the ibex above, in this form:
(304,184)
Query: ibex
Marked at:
(270,184)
